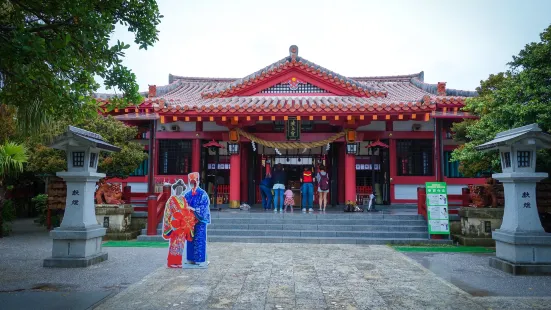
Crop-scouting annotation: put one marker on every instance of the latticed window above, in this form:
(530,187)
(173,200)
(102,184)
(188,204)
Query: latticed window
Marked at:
(174,157)
(414,157)
(523,158)
(451,168)
(288,87)
(93,157)
(78,159)
(506,158)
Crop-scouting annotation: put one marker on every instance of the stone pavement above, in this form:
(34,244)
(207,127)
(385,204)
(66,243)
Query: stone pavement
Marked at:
(305,276)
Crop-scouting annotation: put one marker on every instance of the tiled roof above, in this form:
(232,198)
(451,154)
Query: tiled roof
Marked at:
(391,94)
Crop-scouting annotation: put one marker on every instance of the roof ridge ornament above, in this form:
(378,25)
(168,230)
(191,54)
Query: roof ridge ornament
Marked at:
(293,52)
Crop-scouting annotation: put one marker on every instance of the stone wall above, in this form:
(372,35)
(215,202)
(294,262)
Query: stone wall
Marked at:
(477,225)
(120,217)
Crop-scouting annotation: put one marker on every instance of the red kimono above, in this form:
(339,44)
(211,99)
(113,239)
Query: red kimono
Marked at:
(178,225)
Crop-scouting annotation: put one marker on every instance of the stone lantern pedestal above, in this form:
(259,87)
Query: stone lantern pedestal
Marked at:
(77,242)
(522,246)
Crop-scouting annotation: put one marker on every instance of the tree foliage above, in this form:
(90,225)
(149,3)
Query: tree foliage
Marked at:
(51,50)
(45,160)
(515,98)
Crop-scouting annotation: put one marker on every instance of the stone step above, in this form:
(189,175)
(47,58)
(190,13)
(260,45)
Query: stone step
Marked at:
(313,233)
(327,216)
(316,233)
(316,240)
(418,228)
(229,221)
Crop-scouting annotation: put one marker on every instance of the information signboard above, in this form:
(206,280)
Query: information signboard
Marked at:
(437,208)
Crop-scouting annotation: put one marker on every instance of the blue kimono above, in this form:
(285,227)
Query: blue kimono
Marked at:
(196,250)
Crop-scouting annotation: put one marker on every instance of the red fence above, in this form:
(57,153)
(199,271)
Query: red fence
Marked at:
(454,201)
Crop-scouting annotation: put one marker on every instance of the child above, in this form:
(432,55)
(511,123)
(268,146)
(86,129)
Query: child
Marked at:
(289,200)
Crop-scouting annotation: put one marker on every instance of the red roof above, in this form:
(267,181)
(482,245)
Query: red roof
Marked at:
(331,92)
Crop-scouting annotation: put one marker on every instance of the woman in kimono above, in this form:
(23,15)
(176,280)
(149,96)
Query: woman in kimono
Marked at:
(198,199)
(178,224)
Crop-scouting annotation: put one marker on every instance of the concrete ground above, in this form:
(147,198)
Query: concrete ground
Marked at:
(261,276)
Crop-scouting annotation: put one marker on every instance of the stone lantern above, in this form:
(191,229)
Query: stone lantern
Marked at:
(77,242)
(522,246)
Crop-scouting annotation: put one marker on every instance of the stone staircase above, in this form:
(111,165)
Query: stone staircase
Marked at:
(384,227)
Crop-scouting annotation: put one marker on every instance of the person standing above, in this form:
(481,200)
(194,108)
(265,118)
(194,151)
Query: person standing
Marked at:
(278,177)
(323,187)
(198,199)
(307,190)
(289,199)
(266,191)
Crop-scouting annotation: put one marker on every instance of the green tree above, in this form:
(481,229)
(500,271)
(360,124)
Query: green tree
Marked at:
(518,97)
(12,158)
(47,161)
(51,50)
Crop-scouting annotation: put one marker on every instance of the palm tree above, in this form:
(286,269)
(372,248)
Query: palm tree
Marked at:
(12,158)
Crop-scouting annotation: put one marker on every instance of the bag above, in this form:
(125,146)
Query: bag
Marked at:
(324,182)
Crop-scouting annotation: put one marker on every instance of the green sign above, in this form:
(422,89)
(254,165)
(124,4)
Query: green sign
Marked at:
(437,208)
(293,129)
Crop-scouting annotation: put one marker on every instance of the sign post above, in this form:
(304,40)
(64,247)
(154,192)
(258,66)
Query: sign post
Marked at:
(437,208)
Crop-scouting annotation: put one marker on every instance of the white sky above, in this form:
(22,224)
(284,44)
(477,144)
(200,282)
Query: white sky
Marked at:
(459,42)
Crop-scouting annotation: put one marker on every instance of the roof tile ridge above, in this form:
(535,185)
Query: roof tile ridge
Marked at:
(433,89)
(390,78)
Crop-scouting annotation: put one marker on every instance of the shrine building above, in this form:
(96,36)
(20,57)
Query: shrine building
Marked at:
(390,134)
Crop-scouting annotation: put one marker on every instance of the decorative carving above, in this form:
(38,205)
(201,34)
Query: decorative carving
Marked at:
(108,193)
(293,52)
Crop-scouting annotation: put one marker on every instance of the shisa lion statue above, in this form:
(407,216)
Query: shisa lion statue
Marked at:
(178,224)
(108,193)
(198,200)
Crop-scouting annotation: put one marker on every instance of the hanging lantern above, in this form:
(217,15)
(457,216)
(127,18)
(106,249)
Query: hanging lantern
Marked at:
(350,136)
(234,136)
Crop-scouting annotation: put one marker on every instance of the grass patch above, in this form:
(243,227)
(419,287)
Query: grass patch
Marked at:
(135,244)
(445,249)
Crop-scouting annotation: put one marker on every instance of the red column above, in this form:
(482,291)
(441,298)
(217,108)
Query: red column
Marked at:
(340,186)
(244,175)
(393,167)
(195,155)
(151,215)
(235,176)
(196,150)
(350,178)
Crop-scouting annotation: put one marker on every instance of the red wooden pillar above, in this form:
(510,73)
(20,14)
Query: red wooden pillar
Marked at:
(235,176)
(393,167)
(152,198)
(438,150)
(196,150)
(244,174)
(350,178)
(340,186)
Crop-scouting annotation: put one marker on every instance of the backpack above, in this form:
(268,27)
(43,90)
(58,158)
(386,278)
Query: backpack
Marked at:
(324,182)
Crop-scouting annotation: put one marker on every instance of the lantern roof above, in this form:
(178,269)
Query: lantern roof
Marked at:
(531,133)
(75,136)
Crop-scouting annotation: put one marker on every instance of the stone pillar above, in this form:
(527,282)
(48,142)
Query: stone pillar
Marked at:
(235,178)
(521,238)
(77,242)
(349,178)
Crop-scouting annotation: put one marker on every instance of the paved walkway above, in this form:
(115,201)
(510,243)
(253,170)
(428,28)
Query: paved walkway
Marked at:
(297,276)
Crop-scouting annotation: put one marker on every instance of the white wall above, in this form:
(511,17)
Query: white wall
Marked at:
(373,126)
(409,191)
(407,125)
(405,191)
(138,187)
(183,126)
(212,126)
